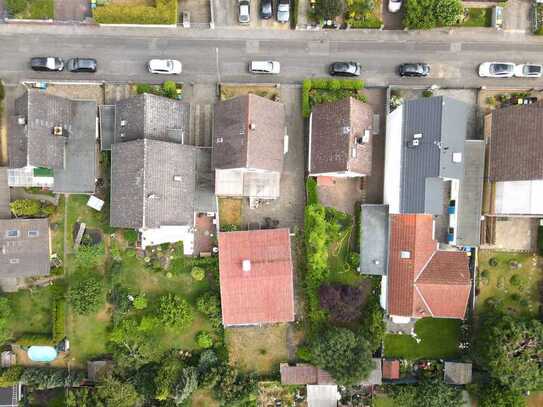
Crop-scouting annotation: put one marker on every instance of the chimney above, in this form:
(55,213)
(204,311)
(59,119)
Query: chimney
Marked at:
(246,265)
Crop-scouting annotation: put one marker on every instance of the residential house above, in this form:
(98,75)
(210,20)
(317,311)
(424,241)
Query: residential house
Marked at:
(340,139)
(423,280)
(515,161)
(256,277)
(432,168)
(25,248)
(52,143)
(158,183)
(249,145)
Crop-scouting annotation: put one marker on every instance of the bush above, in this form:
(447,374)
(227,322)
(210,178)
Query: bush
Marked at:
(2,91)
(311,189)
(229,228)
(165,12)
(198,273)
(204,340)
(170,89)
(59,319)
(10,376)
(427,93)
(515,280)
(337,89)
(426,14)
(175,311)
(86,293)
(540,240)
(140,302)
(493,262)
(35,340)
(130,235)
(25,207)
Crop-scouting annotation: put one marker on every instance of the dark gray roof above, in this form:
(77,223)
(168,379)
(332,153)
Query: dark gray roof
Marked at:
(107,126)
(153,117)
(457,373)
(24,255)
(374,239)
(248,132)
(72,156)
(9,396)
(442,121)
(144,193)
(471,194)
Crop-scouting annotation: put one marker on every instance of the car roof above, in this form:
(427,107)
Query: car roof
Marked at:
(85,62)
(159,63)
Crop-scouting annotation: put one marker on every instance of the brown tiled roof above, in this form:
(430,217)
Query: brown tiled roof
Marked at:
(335,129)
(302,373)
(516,143)
(248,132)
(264,294)
(431,282)
(391,369)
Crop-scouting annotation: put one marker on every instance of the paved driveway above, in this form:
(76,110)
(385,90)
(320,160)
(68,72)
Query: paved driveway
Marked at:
(517,16)
(392,21)
(227,14)
(72,10)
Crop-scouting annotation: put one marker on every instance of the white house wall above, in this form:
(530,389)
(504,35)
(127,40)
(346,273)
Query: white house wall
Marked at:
(393,157)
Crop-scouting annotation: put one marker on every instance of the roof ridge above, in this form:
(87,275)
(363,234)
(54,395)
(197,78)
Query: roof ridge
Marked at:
(143,183)
(423,299)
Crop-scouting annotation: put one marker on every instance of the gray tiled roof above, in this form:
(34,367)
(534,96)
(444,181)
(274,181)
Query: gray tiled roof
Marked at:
(24,256)
(248,132)
(457,373)
(107,126)
(144,193)
(442,121)
(72,156)
(153,117)
(335,129)
(471,194)
(374,239)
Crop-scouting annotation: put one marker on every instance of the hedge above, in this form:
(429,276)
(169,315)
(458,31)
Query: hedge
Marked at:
(540,240)
(59,317)
(34,339)
(311,190)
(164,12)
(326,84)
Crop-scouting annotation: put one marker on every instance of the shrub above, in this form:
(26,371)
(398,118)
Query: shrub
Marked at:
(343,302)
(198,273)
(493,262)
(175,311)
(540,240)
(485,274)
(334,84)
(140,302)
(86,293)
(491,101)
(10,376)
(2,91)
(229,228)
(25,207)
(311,189)
(304,353)
(165,12)
(170,89)
(515,280)
(130,235)
(426,14)
(59,319)
(16,6)
(204,340)
(34,339)
(427,93)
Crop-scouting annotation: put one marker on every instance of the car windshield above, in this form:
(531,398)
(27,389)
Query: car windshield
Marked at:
(532,69)
(500,68)
(282,7)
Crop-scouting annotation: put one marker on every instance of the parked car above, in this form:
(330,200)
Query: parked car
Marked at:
(394,5)
(283,11)
(266,9)
(47,64)
(244,11)
(414,69)
(269,67)
(164,66)
(529,71)
(81,65)
(497,69)
(345,69)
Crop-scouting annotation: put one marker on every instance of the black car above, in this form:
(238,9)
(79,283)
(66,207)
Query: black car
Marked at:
(266,9)
(81,65)
(417,70)
(345,69)
(47,64)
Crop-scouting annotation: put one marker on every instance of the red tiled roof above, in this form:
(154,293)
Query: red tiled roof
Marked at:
(391,369)
(431,283)
(302,373)
(265,293)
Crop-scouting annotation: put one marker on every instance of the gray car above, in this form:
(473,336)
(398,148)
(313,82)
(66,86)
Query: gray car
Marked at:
(283,11)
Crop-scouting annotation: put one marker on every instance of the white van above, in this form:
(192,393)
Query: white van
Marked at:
(269,67)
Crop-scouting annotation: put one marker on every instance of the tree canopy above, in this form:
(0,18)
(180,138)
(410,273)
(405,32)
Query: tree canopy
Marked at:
(429,392)
(115,393)
(329,9)
(175,311)
(511,350)
(343,354)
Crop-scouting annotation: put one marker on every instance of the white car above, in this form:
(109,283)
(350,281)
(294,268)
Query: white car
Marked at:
(497,69)
(529,71)
(164,66)
(270,67)
(394,5)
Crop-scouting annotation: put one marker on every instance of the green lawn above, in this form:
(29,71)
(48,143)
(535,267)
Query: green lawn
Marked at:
(512,290)
(382,401)
(32,311)
(89,336)
(439,339)
(478,17)
(78,211)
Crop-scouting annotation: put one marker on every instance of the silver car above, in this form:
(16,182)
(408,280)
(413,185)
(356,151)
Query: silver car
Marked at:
(283,11)
(244,11)
(497,69)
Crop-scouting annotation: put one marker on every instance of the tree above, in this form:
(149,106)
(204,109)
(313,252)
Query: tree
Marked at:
(204,340)
(133,344)
(25,207)
(198,273)
(427,14)
(343,302)
(329,9)
(115,393)
(209,368)
(82,397)
(5,315)
(373,328)
(10,376)
(50,378)
(175,311)
(511,351)
(234,387)
(175,381)
(343,354)
(86,293)
(429,392)
(494,394)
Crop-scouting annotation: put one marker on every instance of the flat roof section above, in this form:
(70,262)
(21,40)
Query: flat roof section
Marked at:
(374,239)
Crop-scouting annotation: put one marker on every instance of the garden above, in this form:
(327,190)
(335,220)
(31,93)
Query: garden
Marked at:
(436,338)
(315,91)
(363,13)
(476,17)
(31,9)
(509,282)
(229,91)
(162,12)
(169,89)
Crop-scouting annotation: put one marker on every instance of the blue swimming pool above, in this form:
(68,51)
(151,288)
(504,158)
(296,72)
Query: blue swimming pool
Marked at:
(42,353)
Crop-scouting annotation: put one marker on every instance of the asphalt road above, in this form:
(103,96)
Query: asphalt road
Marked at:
(223,54)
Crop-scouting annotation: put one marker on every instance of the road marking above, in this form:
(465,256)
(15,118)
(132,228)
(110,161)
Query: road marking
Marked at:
(218,66)
(456,46)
